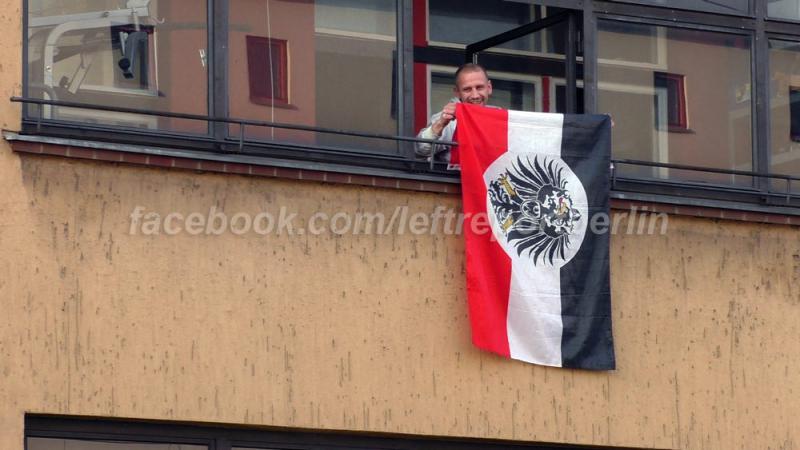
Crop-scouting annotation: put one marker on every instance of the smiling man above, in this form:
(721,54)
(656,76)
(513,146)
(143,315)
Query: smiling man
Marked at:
(472,86)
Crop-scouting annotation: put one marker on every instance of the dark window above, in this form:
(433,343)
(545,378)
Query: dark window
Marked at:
(65,433)
(794,113)
(267,64)
(561,99)
(675,93)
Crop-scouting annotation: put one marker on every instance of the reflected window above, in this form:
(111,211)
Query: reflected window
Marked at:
(671,86)
(645,73)
(794,113)
(267,67)
(784,102)
(320,63)
(148,56)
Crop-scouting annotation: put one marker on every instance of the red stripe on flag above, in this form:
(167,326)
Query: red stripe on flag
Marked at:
(482,135)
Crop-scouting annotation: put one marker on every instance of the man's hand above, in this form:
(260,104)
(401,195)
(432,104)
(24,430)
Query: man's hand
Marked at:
(448,114)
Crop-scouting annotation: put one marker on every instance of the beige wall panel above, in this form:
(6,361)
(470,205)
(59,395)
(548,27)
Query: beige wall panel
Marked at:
(369,332)
(10,63)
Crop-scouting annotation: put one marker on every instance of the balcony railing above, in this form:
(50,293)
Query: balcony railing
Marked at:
(761,190)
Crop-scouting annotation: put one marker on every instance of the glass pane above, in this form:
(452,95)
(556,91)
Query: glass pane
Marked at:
(77,444)
(720,6)
(336,68)
(784,9)
(668,108)
(784,101)
(467,21)
(150,56)
(527,73)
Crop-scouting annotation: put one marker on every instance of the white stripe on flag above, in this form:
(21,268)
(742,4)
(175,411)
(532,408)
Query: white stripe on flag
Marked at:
(534,306)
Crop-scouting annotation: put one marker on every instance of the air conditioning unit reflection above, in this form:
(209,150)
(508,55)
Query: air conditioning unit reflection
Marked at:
(112,45)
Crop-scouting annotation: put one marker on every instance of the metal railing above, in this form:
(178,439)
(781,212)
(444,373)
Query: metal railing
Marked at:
(39,120)
(209,119)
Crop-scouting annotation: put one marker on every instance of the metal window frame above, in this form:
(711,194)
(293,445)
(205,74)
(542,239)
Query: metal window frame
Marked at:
(760,27)
(225,437)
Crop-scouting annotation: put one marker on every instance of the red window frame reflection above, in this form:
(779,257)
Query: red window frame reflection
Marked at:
(675,85)
(268,67)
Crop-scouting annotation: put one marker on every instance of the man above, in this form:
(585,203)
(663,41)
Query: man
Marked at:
(472,86)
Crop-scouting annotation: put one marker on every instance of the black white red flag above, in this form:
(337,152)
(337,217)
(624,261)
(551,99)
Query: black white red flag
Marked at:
(537,276)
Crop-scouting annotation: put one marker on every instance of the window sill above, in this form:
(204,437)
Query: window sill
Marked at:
(389,179)
(271,102)
(680,130)
(231,163)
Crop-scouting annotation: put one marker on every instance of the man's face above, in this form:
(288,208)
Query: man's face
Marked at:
(473,87)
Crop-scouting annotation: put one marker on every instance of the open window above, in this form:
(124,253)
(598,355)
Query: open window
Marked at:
(531,52)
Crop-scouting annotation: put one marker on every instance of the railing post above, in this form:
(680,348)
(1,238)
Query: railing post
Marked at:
(571,65)
(613,176)
(39,112)
(241,137)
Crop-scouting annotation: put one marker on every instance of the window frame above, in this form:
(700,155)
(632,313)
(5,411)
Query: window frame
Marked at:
(663,80)
(759,28)
(226,437)
(756,24)
(254,43)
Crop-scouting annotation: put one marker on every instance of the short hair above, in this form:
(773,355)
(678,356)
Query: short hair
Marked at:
(469,67)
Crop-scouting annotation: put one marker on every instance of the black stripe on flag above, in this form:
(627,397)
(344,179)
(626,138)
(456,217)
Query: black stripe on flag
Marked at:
(585,288)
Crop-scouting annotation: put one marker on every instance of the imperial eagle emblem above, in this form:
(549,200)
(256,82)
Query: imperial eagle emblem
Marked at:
(534,209)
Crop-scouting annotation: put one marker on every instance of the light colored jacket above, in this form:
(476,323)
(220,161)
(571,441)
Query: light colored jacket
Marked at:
(440,153)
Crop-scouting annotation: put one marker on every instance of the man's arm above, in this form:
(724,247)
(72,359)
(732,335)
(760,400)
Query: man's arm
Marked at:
(442,127)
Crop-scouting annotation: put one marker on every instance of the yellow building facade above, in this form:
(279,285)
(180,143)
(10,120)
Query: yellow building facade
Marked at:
(108,314)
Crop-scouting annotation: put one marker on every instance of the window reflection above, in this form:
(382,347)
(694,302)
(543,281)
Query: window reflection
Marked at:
(143,54)
(784,102)
(668,108)
(323,63)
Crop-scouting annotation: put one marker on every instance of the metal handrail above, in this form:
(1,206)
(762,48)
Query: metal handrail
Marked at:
(240,122)
(244,122)
(636,162)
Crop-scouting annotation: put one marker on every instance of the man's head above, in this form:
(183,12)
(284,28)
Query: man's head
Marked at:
(472,84)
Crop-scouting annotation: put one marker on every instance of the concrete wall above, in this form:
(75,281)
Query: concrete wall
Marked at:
(366,332)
